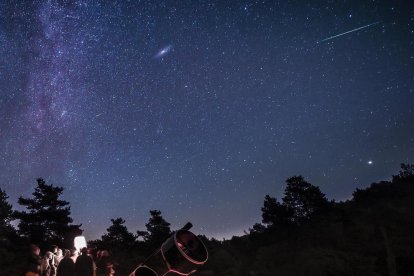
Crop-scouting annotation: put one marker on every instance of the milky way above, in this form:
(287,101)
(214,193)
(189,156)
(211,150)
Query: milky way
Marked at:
(200,108)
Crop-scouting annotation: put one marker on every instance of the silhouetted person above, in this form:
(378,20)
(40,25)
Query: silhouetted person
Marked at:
(48,267)
(84,264)
(34,261)
(66,266)
(104,265)
(90,254)
(66,253)
(75,256)
(54,249)
(59,256)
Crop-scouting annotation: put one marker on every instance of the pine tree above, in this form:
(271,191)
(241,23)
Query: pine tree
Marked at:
(406,173)
(47,220)
(158,229)
(11,249)
(257,228)
(6,212)
(275,213)
(118,235)
(303,198)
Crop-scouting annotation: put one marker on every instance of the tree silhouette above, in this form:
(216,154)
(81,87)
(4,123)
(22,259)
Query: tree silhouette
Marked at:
(48,218)
(303,199)
(6,212)
(158,229)
(406,172)
(118,235)
(257,228)
(275,213)
(11,248)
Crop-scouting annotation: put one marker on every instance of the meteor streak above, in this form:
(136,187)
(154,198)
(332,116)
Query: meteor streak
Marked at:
(354,30)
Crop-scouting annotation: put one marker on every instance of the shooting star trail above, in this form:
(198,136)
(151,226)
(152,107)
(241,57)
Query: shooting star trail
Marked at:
(354,30)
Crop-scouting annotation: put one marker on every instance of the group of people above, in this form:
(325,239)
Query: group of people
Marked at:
(69,263)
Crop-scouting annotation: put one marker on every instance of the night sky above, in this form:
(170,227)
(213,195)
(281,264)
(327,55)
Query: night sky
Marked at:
(201,108)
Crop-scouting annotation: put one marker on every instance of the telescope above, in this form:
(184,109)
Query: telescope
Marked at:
(181,254)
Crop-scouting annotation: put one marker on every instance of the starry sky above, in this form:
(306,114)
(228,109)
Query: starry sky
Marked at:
(201,108)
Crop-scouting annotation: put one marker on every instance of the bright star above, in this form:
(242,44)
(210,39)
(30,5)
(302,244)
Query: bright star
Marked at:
(370,162)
